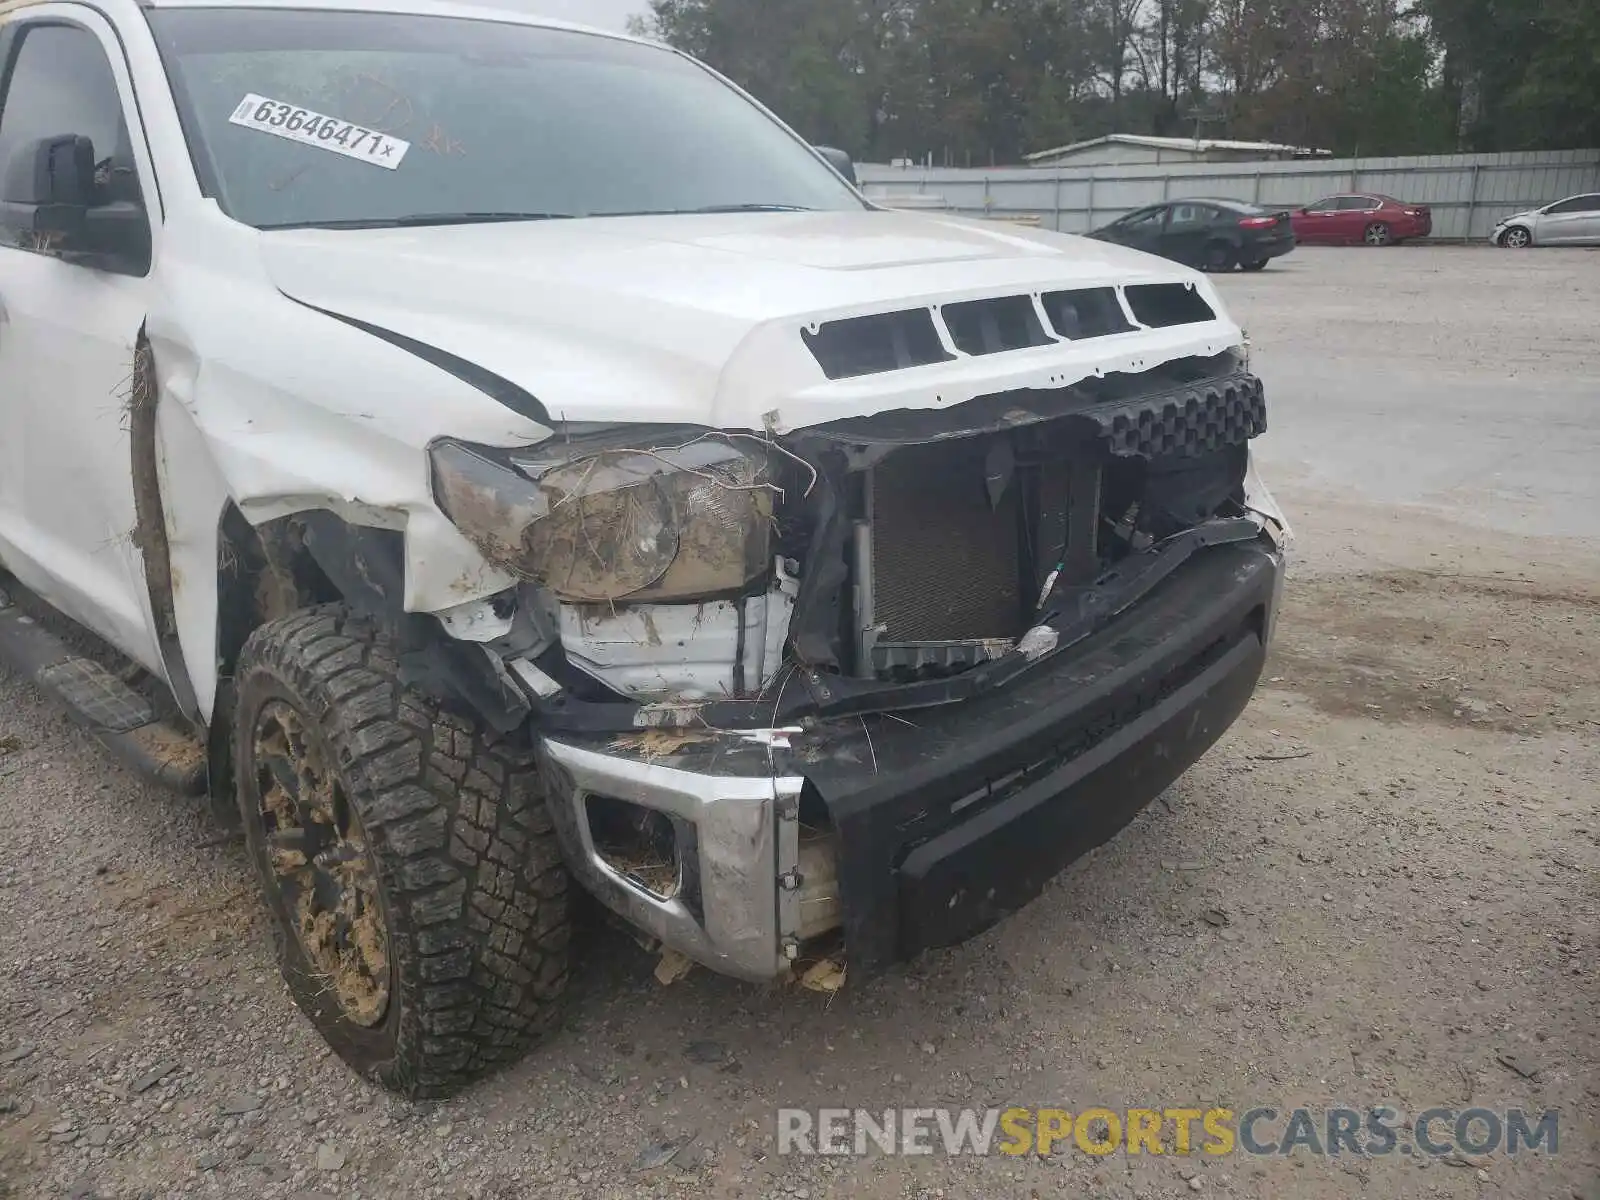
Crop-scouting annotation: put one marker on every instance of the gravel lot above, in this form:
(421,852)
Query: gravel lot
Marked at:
(1382,883)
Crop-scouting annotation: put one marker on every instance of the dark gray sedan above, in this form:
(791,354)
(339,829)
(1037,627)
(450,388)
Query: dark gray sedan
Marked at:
(1215,235)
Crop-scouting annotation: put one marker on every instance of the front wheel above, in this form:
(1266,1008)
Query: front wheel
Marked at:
(418,896)
(1516,238)
(1378,234)
(1255,264)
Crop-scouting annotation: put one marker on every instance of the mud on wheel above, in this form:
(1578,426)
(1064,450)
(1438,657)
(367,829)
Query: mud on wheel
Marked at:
(418,895)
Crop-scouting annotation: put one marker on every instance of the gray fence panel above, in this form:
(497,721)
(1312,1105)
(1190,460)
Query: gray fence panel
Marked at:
(1468,193)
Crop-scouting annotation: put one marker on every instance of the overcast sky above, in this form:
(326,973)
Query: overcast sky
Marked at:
(608,14)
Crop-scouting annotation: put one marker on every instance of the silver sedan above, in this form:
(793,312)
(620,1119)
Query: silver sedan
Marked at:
(1574,221)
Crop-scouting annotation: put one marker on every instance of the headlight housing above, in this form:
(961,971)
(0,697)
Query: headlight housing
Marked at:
(597,521)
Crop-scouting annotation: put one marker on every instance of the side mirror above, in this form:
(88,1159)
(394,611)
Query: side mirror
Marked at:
(50,193)
(840,162)
(48,186)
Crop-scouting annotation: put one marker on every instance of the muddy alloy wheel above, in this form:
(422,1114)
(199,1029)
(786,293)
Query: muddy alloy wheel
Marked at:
(321,867)
(418,895)
(1378,234)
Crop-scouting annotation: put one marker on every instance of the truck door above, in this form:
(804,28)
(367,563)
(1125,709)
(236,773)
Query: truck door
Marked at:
(69,326)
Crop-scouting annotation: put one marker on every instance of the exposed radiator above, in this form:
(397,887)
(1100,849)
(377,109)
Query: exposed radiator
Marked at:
(946,562)
(950,528)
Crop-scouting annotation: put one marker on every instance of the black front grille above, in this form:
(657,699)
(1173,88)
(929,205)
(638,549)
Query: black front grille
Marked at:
(1195,420)
(946,561)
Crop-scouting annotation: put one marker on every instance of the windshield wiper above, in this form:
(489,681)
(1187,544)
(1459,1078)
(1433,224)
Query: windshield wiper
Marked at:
(422,219)
(709,208)
(415,220)
(738,208)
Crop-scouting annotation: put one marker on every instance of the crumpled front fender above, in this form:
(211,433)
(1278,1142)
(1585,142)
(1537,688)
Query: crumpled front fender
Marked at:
(278,410)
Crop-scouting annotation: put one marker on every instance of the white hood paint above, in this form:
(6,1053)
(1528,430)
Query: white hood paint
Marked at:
(697,319)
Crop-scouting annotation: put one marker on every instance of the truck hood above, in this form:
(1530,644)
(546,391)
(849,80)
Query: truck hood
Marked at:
(699,319)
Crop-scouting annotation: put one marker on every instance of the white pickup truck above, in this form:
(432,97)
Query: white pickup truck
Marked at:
(491,454)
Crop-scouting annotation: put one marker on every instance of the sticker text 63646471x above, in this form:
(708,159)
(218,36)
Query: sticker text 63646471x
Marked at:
(319,130)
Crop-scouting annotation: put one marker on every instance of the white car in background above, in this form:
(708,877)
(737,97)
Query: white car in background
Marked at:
(1574,221)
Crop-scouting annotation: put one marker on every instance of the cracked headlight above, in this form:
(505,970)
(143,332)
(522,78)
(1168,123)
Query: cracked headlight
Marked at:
(685,521)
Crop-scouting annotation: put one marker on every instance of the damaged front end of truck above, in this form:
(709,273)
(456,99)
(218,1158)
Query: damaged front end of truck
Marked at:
(876,680)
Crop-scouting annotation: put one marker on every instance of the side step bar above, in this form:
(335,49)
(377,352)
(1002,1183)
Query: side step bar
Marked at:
(123,720)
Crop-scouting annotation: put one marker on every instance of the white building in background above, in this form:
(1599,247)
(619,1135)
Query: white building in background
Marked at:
(1130,149)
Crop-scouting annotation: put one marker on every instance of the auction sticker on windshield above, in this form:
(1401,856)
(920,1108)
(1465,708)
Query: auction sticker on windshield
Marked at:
(320,130)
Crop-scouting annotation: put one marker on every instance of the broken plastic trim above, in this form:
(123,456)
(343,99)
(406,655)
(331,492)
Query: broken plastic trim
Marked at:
(367,566)
(1018,409)
(1073,613)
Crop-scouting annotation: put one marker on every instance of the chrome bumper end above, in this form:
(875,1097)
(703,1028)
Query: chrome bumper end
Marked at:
(742,837)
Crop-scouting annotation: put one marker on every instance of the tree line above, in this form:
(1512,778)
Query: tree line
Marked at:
(975,82)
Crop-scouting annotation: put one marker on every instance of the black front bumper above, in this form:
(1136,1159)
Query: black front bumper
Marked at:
(949,820)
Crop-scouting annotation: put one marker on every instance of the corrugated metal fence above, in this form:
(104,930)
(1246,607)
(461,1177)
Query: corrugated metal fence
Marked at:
(1467,192)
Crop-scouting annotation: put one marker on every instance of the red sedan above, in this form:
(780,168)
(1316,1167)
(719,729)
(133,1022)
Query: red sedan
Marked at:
(1361,217)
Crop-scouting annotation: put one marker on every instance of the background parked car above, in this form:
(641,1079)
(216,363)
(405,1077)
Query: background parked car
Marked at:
(1574,221)
(1216,235)
(1362,217)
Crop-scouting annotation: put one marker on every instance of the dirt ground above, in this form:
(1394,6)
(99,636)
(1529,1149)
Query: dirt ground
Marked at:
(1378,889)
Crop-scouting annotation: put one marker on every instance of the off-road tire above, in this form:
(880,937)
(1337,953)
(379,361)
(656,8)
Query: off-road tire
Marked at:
(469,878)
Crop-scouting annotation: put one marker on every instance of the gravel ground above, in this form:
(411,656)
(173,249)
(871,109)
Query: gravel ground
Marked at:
(1380,886)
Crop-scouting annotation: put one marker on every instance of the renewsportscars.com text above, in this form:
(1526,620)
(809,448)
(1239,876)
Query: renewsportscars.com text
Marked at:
(1258,1131)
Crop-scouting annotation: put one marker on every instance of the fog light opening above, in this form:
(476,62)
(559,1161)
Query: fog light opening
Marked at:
(820,909)
(639,844)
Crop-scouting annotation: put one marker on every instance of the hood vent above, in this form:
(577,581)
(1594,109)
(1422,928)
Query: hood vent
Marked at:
(1088,313)
(1162,305)
(994,326)
(876,344)
(872,345)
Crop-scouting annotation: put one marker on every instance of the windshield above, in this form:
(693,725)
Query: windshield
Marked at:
(326,118)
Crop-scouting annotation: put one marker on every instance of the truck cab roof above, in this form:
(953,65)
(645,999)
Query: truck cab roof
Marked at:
(438,8)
